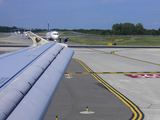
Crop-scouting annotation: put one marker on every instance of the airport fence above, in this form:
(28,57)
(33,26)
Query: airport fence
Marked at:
(97,37)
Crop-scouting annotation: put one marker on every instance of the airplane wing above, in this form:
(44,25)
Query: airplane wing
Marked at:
(29,78)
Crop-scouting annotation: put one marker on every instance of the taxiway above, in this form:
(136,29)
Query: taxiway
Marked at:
(137,98)
(143,92)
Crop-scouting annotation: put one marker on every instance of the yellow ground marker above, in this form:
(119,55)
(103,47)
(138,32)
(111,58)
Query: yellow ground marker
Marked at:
(87,111)
(110,44)
(68,75)
(56,117)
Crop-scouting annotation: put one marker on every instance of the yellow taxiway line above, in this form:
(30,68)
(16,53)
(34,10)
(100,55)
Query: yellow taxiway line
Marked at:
(113,53)
(83,73)
(138,115)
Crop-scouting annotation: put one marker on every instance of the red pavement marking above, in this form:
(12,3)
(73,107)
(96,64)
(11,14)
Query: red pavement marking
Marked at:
(143,75)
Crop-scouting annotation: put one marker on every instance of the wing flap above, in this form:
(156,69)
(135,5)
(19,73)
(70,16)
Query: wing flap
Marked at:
(35,103)
(33,64)
(14,63)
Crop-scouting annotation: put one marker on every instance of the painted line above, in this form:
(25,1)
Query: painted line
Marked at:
(134,59)
(113,53)
(99,51)
(138,115)
(83,73)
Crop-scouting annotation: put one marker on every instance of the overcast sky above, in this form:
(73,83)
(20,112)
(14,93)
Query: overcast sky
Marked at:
(76,14)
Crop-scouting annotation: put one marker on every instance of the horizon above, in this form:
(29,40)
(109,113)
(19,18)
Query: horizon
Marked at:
(80,14)
(71,29)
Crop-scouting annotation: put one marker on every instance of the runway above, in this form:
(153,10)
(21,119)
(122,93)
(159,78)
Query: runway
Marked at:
(97,75)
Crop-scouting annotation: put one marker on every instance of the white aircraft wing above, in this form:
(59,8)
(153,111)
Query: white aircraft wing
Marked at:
(29,78)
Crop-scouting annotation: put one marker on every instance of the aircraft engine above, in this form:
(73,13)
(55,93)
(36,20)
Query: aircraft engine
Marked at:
(65,40)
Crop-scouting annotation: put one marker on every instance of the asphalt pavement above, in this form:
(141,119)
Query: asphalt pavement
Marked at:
(76,92)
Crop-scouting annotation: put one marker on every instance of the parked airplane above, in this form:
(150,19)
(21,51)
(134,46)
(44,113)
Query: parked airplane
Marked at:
(29,78)
(54,35)
(13,31)
(25,33)
(18,32)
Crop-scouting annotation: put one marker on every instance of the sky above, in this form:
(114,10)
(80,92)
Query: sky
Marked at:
(79,14)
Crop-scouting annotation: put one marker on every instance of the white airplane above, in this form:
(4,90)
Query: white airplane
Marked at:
(18,32)
(54,35)
(25,33)
(29,78)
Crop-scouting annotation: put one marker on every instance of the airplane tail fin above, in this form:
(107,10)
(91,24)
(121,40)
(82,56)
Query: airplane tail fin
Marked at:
(48,27)
(36,39)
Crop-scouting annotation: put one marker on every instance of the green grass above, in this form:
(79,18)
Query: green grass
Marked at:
(84,41)
(104,41)
(139,41)
(150,41)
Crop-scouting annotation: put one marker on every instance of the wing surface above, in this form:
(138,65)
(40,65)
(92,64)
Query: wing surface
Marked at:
(29,78)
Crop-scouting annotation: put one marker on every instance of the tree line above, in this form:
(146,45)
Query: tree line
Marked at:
(117,29)
(35,30)
(131,29)
(7,29)
(122,29)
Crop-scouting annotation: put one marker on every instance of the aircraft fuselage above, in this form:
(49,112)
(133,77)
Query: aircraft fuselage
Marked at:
(53,35)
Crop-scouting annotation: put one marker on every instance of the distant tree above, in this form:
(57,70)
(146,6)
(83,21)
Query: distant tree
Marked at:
(128,29)
(44,29)
(117,29)
(139,29)
(14,27)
